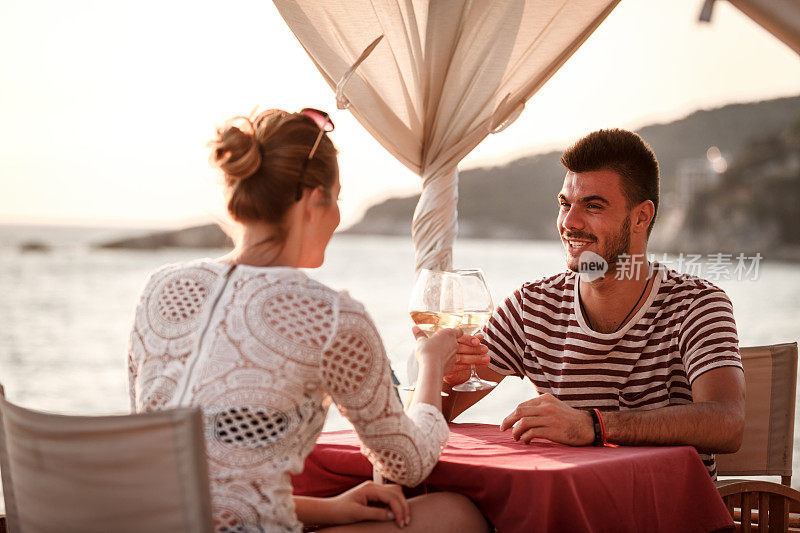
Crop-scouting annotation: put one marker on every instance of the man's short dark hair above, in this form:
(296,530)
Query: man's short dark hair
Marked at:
(625,153)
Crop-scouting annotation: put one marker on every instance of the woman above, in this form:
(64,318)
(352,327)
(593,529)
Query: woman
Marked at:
(264,349)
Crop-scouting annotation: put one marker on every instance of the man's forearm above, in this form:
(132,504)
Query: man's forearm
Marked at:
(711,427)
(456,402)
(448,402)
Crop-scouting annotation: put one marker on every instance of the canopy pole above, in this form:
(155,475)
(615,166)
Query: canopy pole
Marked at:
(435,222)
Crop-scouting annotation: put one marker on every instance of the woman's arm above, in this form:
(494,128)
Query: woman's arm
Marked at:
(354,370)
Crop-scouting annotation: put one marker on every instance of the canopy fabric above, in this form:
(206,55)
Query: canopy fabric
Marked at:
(444,75)
(780,17)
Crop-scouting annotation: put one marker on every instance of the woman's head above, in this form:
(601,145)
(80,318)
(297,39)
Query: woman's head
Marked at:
(281,184)
(266,165)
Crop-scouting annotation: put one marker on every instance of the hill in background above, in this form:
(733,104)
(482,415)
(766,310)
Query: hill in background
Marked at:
(752,208)
(517,200)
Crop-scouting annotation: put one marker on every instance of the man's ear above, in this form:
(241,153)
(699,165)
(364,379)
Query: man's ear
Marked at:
(642,215)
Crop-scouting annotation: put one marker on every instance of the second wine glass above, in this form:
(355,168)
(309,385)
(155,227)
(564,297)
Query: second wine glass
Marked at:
(478,307)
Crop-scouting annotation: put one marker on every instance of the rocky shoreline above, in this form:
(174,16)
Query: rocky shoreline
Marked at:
(205,236)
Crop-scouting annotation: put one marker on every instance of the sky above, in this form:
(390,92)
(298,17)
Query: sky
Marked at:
(106,106)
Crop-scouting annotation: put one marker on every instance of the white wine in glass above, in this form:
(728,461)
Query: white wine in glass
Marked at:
(435,303)
(436,300)
(430,322)
(478,307)
(471,323)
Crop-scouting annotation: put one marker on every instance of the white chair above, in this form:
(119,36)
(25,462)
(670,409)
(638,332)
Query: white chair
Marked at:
(142,472)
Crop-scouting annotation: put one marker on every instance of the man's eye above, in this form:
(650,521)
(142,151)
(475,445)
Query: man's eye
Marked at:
(594,206)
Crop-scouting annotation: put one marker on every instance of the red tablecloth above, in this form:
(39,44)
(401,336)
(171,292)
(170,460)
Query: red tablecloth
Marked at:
(544,486)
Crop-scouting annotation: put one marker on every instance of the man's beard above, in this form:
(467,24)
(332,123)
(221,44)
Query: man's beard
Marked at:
(619,244)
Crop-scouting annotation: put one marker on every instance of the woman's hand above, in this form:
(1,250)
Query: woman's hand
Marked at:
(354,505)
(439,350)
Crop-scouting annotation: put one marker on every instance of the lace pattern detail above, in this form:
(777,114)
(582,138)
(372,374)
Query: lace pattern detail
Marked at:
(430,421)
(356,373)
(250,428)
(348,364)
(181,299)
(294,318)
(167,314)
(281,348)
(249,508)
(173,308)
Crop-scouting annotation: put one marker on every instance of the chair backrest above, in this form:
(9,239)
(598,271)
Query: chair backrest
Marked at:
(142,472)
(770,373)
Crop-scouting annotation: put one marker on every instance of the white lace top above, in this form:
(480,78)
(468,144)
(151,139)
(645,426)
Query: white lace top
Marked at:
(263,351)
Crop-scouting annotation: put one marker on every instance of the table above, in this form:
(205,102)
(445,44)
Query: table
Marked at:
(545,486)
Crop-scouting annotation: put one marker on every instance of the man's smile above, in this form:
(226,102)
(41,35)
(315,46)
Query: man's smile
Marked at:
(576,245)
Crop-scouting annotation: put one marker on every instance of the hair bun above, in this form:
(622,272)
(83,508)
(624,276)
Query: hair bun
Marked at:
(236,152)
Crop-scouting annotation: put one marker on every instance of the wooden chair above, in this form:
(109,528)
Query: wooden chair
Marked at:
(143,472)
(771,379)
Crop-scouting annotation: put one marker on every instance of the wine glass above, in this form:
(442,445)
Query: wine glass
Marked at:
(478,307)
(435,303)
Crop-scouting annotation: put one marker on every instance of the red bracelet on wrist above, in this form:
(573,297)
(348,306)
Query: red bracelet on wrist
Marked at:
(603,434)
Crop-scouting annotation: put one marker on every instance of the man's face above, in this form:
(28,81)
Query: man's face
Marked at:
(593,216)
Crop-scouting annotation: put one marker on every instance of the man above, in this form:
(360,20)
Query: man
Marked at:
(654,351)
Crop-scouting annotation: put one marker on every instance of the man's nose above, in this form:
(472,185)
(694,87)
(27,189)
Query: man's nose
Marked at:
(573,219)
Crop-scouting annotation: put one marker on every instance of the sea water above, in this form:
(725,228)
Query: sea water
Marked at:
(66,312)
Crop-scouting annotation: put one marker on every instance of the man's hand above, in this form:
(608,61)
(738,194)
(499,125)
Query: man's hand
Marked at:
(470,352)
(548,417)
(354,505)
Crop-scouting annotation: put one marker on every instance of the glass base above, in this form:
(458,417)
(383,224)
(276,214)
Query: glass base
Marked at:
(474,384)
(412,388)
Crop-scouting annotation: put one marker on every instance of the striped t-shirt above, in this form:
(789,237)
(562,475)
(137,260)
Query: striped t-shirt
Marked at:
(684,329)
